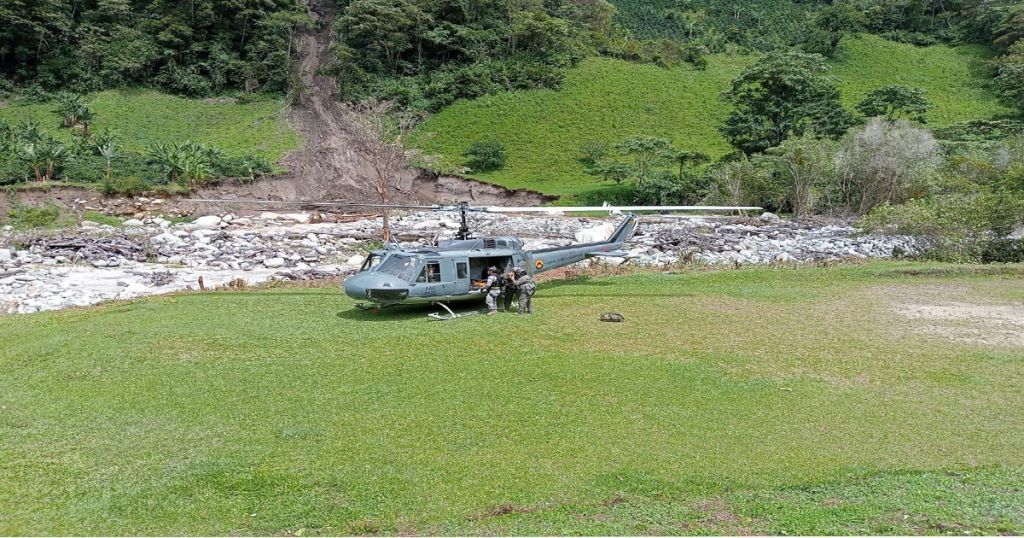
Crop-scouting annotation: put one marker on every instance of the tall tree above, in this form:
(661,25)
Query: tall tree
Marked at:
(379,134)
(895,102)
(783,95)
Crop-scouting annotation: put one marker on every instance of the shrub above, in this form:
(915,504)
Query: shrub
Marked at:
(485,155)
(954,227)
(1003,250)
(123,186)
(23,216)
(592,152)
(246,168)
(884,162)
(661,188)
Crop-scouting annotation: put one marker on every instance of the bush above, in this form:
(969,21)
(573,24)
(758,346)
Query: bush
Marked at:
(123,186)
(1005,250)
(485,155)
(955,227)
(23,216)
(246,168)
(661,188)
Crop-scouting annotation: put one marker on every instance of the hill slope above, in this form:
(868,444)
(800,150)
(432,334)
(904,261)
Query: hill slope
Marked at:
(145,117)
(607,100)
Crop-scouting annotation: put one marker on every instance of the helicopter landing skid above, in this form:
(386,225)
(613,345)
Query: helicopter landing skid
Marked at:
(451,315)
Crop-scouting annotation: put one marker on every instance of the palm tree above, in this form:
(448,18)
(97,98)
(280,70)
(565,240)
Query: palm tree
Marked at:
(109,152)
(168,158)
(68,106)
(85,118)
(33,158)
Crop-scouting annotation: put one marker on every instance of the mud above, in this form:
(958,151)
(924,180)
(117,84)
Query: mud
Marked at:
(325,169)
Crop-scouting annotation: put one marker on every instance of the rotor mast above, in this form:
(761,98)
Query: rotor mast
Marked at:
(463,232)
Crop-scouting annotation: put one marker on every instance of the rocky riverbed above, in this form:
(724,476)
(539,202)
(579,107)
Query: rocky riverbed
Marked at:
(95,263)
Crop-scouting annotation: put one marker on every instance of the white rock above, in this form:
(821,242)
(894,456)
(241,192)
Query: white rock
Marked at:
(207,222)
(768,216)
(356,260)
(301,218)
(273,263)
(600,232)
(166,239)
(5,255)
(132,223)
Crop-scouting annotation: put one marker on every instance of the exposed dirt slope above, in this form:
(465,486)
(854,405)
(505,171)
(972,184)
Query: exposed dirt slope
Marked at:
(326,167)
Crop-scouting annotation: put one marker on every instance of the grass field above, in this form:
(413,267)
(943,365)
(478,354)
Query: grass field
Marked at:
(608,100)
(145,117)
(760,400)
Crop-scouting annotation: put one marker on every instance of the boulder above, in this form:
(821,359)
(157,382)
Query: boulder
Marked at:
(273,263)
(301,218)
(6,255)
(207,222)
(132,223)
(594,234)
(768,216)
(166,238)
(356,260)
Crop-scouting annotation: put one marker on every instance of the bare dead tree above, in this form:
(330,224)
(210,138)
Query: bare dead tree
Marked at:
(379,131)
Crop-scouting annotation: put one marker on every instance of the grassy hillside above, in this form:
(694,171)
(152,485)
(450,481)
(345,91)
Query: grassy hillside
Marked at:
(754,401)
(145,117)
(607,100)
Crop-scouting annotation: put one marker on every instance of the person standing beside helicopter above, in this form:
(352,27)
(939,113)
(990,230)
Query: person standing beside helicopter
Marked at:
(526,286)
(509,290)
(493,289)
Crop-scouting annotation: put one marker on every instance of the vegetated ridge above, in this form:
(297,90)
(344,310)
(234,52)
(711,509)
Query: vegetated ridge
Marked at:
(606,100)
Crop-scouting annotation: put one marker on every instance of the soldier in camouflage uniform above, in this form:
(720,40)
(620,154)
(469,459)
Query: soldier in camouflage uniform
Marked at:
(524,282)
(492,288)
(509,291)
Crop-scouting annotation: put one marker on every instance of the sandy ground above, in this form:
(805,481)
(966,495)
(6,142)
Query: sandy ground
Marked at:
(953,313)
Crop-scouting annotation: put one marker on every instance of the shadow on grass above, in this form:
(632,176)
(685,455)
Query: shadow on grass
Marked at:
(404,312)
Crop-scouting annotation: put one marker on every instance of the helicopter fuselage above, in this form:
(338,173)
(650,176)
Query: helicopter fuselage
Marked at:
(457,270)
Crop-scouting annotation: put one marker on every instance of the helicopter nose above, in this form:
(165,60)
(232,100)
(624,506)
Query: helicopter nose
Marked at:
(375,286)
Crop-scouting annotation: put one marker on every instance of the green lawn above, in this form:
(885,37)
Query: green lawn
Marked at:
(143,117)
(761,400)
(608,100)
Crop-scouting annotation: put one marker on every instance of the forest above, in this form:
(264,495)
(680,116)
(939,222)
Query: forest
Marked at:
(797,144)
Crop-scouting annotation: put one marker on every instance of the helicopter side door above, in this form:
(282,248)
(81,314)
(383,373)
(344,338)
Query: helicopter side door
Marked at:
(436,278)
(462,276)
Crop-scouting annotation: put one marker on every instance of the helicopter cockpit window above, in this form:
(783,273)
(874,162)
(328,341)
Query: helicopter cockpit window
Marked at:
(373,260)
(431,273)
(403,267)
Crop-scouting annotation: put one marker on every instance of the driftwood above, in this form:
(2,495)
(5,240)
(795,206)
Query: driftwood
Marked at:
(91,248)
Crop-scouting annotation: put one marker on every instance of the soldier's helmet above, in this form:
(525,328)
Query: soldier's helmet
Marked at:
(492,269)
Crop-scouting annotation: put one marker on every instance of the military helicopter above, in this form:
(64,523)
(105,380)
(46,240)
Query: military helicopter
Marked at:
(456,269)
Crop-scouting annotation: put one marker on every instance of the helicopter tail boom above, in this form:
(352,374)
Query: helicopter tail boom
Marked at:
(553,258)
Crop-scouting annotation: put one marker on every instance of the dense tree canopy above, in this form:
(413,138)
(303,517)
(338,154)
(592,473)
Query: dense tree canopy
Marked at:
(780,96)
(427,53)
(192,47)
(895,102)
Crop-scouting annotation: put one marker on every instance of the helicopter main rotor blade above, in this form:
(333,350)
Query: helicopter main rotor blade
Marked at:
(612,208)
(314,204)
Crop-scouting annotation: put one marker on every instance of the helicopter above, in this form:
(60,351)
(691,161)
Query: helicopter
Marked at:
(456,269)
